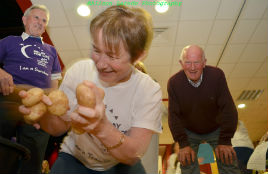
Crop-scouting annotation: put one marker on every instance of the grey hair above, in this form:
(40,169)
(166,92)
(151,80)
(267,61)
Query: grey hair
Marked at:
(183,51)
(37,6)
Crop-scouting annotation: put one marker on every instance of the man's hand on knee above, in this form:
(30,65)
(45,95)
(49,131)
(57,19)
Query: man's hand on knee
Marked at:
(186,156)
(225,153)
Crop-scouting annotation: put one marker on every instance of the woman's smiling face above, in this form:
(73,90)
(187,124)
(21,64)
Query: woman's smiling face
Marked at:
(113,68)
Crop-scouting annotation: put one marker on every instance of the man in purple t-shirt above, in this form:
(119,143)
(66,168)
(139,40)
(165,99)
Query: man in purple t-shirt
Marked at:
(201,109)
(26,59)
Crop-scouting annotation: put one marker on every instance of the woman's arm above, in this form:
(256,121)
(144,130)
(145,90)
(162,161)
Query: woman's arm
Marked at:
(133,146)
(54,125)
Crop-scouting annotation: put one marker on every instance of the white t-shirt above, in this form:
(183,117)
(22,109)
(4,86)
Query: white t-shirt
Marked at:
(241,137)
(134,103)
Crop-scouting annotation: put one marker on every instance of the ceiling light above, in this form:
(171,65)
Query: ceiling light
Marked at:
(241,106)
(83,10)
(161,6)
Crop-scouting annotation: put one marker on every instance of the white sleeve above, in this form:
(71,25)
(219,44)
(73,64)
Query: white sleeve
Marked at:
(148,106)
(56,76)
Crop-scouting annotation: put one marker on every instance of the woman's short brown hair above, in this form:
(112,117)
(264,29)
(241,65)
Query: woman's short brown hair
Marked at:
(131,26)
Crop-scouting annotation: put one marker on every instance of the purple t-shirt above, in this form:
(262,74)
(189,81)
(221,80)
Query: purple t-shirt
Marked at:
(30,61)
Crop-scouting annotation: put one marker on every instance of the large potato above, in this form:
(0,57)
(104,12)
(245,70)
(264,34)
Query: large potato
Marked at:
(85,97)
(60,103)
(34,95)
(37,111)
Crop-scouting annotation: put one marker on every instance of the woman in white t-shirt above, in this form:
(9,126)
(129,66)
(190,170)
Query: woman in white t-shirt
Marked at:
(119,129)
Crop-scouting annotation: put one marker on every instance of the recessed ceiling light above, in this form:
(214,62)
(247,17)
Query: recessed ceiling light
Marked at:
(83,10)
(161,6)
(242,105)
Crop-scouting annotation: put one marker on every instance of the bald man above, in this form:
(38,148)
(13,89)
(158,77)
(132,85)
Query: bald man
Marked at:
(201,109)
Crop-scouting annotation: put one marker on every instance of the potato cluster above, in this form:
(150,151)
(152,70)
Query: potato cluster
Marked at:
(34,96)
(85,97)
(33,101)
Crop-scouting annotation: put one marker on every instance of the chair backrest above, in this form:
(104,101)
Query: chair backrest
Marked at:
(11,154)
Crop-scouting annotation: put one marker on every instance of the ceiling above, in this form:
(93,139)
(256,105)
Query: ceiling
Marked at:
(232,33)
